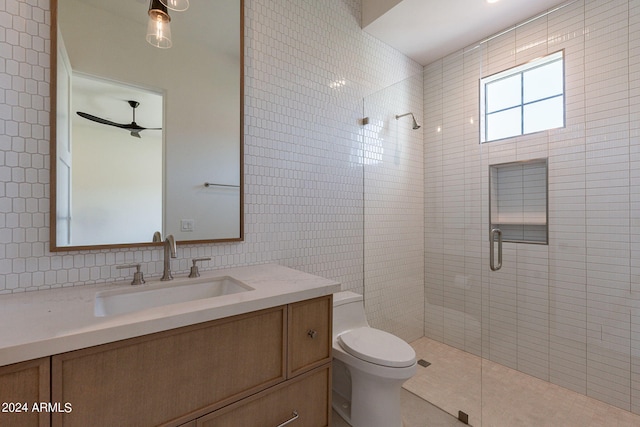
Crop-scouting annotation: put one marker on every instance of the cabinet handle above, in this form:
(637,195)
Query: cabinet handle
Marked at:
(312,333)
(294,417)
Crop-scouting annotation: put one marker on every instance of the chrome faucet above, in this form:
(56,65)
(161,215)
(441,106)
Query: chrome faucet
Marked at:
(169,252)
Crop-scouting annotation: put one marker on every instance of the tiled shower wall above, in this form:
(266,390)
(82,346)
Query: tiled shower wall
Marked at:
(567,312)
(308,66)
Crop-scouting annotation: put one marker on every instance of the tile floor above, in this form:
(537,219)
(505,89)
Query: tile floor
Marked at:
(509,398)
(416,412)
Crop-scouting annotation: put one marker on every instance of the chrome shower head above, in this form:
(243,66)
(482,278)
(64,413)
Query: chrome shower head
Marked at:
(415,123)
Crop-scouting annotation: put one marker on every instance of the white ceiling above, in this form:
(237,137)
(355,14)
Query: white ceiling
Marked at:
(426,30)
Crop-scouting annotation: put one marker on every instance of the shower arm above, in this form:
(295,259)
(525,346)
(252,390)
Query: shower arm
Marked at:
(415,123)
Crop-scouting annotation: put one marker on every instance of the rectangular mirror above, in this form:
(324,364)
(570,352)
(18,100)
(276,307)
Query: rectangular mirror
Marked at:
(147,141)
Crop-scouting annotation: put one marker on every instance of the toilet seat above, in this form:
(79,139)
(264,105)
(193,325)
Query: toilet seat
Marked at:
(379,347)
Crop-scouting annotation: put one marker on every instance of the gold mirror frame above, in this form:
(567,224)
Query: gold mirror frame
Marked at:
(53,247)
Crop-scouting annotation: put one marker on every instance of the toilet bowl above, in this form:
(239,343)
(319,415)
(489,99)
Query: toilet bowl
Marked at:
(369,367)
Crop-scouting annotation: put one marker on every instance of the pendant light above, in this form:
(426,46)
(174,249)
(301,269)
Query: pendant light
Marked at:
(158,28)
(177,5)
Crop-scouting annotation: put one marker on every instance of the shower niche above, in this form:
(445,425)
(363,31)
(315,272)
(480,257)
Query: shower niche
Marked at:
(518,200)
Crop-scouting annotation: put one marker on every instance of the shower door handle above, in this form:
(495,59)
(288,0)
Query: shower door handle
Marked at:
(492,237)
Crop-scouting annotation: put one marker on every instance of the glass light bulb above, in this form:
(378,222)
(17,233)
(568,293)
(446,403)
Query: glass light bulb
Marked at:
(177,5)
(159,31)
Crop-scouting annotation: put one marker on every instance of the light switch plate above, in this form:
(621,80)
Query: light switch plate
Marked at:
(187,225)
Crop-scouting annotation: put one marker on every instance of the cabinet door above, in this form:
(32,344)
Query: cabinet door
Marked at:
(21,386)
(305,398)
(173,376)
(309,334)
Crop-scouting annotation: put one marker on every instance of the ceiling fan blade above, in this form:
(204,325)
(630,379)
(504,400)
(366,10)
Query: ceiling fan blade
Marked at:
(133,128)
(101,120)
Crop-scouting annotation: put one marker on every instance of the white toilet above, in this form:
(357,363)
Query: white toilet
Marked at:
(369,367)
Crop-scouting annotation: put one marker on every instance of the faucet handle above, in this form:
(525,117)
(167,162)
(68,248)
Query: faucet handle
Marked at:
(138,278)
(194,268)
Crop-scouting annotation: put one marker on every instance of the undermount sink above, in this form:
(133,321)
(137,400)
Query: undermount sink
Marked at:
(121,301)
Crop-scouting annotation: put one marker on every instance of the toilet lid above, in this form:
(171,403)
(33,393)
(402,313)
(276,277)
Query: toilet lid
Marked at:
(379,347)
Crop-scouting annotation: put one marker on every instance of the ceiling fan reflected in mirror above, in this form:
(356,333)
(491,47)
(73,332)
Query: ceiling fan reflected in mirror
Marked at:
(132,127)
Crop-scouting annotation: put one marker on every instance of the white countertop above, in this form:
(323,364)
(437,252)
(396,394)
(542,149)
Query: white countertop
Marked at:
(44,323)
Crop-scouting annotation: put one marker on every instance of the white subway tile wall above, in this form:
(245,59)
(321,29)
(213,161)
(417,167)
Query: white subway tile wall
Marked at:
(569,312)
(303,186)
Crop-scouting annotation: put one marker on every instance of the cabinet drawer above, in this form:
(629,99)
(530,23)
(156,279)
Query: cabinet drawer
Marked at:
(24,383)
(172,376)
(306,398)
(309,334)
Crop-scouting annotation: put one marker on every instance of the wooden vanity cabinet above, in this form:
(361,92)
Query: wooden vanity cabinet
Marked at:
(23,385)
(244,371)
(303,400)
(171,376)
(309,334)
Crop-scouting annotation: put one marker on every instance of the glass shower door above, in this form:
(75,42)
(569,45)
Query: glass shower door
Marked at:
(423,237)
(391,157)
(456,238)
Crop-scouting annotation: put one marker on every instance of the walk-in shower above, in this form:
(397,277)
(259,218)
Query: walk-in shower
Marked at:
(564,307)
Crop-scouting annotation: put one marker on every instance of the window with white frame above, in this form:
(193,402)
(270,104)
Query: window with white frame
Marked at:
(522,100)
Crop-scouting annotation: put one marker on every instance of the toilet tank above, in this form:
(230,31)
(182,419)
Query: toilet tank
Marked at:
(348,312)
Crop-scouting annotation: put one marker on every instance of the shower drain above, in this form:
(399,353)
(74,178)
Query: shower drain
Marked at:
(423,363)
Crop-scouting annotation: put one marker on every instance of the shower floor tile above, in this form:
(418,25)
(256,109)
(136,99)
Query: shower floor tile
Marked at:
(416,412)
(453,382)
